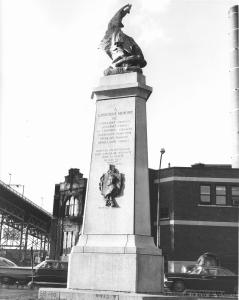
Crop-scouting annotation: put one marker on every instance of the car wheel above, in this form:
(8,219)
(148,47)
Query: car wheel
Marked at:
(178,286)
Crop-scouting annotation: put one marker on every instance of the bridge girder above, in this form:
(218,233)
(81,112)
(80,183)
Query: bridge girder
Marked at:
(23,224)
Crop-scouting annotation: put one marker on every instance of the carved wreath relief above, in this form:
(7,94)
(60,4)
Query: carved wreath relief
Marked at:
(110,186)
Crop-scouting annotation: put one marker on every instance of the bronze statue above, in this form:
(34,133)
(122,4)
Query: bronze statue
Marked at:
(126,55)
(110,186)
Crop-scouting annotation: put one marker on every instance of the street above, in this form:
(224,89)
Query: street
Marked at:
(20,293)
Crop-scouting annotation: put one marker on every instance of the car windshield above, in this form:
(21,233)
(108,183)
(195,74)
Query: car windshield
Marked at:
(195,270)
(40,265)
(4,262)
(52,265)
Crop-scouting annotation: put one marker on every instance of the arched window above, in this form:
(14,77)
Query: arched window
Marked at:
(72,207)
(67,208)
(76,207)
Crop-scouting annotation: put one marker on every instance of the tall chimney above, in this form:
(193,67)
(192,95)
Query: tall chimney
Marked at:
(234,72)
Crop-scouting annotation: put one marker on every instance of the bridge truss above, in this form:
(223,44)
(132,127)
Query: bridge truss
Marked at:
(23,225)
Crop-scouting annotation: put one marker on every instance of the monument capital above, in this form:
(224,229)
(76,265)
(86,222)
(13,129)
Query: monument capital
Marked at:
(121,86)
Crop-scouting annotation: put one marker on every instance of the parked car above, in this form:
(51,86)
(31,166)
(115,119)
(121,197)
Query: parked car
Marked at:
(10,273)
(4,262)
(212,278)
(50,272)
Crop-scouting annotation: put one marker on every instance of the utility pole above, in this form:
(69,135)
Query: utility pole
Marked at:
(162,151)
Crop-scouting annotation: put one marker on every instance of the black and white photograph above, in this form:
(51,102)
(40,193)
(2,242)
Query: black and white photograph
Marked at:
(119,149)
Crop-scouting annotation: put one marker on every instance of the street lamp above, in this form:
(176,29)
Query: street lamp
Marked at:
(162,151)
(10,177)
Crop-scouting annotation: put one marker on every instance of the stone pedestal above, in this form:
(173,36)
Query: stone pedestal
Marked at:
(116,251)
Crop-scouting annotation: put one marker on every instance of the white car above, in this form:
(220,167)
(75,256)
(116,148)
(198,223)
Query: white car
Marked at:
(4,262)
(10,273)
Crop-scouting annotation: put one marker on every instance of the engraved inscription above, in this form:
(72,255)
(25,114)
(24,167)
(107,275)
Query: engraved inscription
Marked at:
(113,135)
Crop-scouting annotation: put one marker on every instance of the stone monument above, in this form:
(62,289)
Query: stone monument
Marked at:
(116,255)
(116,251)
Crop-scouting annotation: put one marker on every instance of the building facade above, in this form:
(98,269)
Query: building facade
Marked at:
(68,208)
(198,213)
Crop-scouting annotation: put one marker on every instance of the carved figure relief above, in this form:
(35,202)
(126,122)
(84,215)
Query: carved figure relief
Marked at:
(126,55)
(110,186)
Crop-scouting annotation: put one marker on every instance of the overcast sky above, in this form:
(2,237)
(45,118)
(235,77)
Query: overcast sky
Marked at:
(50,62)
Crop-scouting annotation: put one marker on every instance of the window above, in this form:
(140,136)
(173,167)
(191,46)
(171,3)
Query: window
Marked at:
(235,195)
(6,263)
(76,207)
(164,213)
(72,207)
(68,241)
(67,208)
(205,194)
(43,265)
(65,242)
(221,195)
(72,204)
(212,272)
(225,272)
(63,266)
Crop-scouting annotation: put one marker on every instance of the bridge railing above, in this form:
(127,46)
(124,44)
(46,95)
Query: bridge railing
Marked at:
(24,198)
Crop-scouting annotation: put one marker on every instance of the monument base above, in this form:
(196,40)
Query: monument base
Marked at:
(74,294)
(124,263)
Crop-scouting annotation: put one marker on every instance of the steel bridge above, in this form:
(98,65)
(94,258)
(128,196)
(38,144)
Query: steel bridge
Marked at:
(23,224)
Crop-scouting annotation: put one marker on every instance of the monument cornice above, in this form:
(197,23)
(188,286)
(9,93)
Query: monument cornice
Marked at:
(119,91)
(122,86)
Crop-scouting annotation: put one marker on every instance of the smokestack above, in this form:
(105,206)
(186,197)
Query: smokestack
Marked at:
(234,72)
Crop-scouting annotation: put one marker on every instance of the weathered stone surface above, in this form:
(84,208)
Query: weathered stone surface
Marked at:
(67,294)
(116,251)
(116,272)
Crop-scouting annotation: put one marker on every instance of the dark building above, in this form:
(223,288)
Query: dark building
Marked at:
(198,213)
(68,208)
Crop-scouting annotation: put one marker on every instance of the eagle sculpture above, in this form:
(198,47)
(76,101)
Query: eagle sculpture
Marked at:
(126,55)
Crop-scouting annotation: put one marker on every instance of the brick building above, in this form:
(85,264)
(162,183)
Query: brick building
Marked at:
(199,213)
(68,208)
